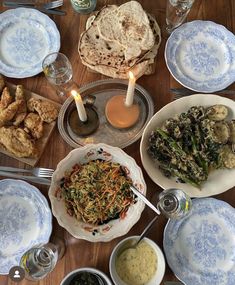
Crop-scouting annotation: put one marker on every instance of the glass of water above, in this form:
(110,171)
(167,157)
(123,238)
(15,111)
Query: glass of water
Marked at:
(40,260)
(176,12)
(174,203)
(58,70)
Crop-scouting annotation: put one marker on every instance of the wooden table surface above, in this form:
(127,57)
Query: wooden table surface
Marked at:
(81,253)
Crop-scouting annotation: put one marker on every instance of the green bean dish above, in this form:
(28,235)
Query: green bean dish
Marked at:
(192,144)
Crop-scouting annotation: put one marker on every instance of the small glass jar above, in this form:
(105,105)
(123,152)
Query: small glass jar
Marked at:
(174,203)
(83,6)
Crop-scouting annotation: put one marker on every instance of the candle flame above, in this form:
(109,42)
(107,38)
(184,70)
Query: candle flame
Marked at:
(131,75)
(76,95)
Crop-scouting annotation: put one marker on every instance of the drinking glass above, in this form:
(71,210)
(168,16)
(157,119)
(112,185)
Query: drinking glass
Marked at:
(176,12)
(58,70)
(41,259)
(174,203)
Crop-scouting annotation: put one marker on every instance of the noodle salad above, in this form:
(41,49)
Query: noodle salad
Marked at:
(97,192)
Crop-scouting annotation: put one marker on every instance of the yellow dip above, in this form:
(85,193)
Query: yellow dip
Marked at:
(136,266)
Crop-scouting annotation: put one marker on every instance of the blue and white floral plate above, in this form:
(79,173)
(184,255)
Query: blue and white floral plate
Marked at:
(200,248)
(25,220)
(26,37)
(201,56)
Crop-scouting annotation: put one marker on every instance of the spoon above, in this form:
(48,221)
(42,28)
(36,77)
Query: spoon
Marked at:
(145,231)
(145,200)
(133,243)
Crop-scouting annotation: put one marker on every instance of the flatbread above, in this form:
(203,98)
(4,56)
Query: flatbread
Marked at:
(94,50)
(129,26)
(143,64)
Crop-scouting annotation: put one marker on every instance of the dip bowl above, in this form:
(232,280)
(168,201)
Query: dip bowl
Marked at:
(69,277)
(127,243)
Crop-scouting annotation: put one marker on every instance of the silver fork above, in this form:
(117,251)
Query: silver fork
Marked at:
(37,171)
(53,4)
(28,3)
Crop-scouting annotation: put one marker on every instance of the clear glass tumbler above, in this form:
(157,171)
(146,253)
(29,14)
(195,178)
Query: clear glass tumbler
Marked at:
(58,70)
(174,203)
(176,12)
(41,259)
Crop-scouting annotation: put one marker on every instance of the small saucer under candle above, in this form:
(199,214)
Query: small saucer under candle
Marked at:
(86,128)
(119,115)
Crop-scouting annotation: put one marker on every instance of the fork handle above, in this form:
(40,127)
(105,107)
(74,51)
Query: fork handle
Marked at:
(14,169)
(33,179)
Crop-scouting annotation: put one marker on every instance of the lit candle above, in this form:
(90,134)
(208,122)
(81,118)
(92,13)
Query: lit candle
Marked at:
(130,90)
(80,107)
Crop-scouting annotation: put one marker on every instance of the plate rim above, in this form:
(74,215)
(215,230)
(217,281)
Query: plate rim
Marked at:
(214,200)
(56,44)
(176,77)
(37,193)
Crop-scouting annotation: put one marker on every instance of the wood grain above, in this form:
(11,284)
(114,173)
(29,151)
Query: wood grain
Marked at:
(81,253)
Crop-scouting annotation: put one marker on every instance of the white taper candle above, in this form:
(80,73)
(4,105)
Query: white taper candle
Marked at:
(130,90)
(80,107)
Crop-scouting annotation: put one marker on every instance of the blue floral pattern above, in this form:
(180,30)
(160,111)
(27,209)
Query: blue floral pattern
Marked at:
(201,56)
(208,240)
(27,36)
(200,248)
(25,220)
(12,227)
(26,47)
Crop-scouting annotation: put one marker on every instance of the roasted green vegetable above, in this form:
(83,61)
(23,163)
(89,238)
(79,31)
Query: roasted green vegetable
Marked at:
(189,145)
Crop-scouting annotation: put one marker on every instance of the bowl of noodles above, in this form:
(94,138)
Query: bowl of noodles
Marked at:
(90,192)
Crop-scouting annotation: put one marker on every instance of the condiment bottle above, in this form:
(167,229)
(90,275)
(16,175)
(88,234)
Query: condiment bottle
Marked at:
(174,203)
(83,6)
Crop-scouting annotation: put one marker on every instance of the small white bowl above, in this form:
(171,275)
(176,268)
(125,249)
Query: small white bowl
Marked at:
(68,278)
(156,279)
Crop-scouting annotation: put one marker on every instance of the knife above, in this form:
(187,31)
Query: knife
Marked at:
(185,91)
(41,9)
(33,179)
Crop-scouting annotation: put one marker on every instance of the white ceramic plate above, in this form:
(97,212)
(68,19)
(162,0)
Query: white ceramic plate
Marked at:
(26,37)
(200,248)
(201,56)
(25,221)
(113,228)
(219,180)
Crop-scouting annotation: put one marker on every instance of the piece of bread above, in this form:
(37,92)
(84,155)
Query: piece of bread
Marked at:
(128,26)
(94,50)
(142,64)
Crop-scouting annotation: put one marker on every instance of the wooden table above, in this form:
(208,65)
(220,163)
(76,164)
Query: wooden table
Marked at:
(81,253)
